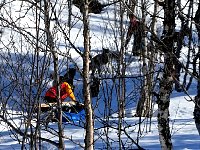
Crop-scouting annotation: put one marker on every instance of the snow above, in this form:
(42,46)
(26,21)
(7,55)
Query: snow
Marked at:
(182,126)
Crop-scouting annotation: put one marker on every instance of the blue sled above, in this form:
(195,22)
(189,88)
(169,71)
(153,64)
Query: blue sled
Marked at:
(73,117)
(74,113)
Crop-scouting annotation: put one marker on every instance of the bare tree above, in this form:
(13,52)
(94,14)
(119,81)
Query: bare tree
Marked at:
(179,41)
(29,64)
(167,79)
(89,137)
(51,46)
(197,73)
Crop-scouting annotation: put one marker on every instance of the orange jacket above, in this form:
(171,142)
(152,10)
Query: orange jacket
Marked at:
(65,91)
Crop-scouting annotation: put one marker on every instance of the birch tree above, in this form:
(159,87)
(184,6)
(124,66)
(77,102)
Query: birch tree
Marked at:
(51,46)
(166,82)
(89,137)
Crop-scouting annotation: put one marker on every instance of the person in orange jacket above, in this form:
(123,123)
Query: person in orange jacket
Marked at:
(65,91)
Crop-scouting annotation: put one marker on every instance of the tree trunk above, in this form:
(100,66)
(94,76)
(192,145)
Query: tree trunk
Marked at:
(197,98)
(38,125)
(121,88)
(144,104)
(50,44)
(179,37)
(163,109)
(69,14)
(89,137)
(166,82)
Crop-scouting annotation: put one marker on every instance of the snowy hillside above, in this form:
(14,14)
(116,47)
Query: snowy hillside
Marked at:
(105,33)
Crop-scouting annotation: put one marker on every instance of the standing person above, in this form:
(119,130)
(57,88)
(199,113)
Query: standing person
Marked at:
(65,91)
(197,112)
(68,77)
(133,26)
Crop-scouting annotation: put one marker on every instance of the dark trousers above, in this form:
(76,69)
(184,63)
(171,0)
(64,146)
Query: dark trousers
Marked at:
(198,127)
(50,99)
(129,35)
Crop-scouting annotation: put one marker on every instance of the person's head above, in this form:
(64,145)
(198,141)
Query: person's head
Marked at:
(52,75)
(131,16)
(60,81)
(54,83)
(105,50)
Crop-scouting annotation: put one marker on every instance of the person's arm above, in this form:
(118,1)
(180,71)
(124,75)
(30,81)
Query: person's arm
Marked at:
(70,92)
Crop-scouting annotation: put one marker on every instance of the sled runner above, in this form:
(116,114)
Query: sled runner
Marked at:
(48,106)
(70,113)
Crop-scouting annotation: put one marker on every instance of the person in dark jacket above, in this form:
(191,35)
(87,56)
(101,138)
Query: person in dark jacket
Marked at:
(133,26)
(68,77)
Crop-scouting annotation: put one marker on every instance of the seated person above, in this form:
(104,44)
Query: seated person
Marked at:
(65,91)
